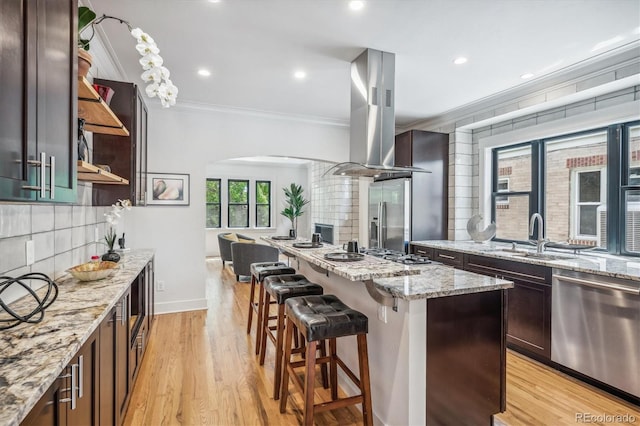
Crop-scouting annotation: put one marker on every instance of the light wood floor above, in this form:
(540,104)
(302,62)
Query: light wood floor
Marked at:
(200,369)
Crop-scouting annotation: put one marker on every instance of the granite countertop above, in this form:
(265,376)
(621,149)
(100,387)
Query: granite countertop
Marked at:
(587,261)
(369,268)
(437,280)
(34,355)
(402,281)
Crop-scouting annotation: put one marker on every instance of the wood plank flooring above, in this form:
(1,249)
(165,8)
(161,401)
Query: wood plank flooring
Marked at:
(200,369)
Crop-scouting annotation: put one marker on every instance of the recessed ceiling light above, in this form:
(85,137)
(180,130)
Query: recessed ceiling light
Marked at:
(204,73)
(460,60)
(356,5)
(299,74)
(526,76)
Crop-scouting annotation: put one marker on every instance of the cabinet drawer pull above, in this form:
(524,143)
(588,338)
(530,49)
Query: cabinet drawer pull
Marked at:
(446,256)
(52,177)
(80,375)
(72,389)
(43,174)
(31,187)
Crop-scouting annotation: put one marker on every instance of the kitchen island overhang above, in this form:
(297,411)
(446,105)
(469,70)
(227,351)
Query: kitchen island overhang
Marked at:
(441,356)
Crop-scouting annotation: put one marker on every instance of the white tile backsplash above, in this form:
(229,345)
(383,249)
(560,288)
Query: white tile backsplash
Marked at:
(63,236)
(14,220)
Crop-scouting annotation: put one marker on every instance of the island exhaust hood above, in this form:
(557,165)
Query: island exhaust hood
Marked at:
(372,139)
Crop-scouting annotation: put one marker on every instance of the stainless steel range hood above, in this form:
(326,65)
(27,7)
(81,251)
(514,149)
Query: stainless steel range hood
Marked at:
(372,118)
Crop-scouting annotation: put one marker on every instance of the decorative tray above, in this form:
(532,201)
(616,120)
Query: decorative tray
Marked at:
(282,237)
(307,245)
(344,257)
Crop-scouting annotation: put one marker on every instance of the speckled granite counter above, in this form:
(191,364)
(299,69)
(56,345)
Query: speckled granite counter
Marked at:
(436,280)
(367,269)
(32,356)
(586,261)
(401,281)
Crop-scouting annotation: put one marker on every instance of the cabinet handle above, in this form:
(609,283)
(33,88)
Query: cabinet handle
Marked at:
(123,320)
(43,174)
(72,400)
(80,376)
(52,177)
(446,256)
(599,285)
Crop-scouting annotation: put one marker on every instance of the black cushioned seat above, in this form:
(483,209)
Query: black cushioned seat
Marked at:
(283,287)
(264,269)
(325,317)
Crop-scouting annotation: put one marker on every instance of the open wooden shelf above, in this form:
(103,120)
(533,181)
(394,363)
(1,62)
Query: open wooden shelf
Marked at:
(89,173)
(97,115)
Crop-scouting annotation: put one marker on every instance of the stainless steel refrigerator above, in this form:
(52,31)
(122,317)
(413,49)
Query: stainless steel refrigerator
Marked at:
(390,214)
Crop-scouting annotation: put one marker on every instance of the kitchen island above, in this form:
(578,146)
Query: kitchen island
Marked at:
(33,356)
(436,335)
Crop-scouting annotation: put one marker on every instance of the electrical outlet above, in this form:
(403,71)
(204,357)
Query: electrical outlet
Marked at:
(160,285)
(30,252)
(382,313)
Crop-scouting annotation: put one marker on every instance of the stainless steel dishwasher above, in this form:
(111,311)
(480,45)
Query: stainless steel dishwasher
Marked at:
(595,327)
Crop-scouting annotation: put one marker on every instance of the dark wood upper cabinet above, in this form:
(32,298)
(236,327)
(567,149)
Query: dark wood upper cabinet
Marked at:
(38,117)
(429,199)
(125,155)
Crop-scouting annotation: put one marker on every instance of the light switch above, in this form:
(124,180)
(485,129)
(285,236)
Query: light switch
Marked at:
(30,252)
(382,313)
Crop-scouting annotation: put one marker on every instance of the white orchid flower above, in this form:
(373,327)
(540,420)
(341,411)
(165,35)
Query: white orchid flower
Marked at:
(151,61)
(141,36)
(145,48)
(164,72)
(153,75)
(152,89)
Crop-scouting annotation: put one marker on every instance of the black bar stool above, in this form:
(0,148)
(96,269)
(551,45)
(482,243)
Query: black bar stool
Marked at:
(318,318)
(259,271)
(281,288)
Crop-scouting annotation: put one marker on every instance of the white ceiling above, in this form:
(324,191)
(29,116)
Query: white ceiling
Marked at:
(252,47)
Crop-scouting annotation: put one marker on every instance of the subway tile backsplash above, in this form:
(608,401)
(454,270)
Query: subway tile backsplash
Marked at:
(62,235)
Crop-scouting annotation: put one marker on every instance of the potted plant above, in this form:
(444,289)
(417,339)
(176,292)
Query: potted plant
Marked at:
(86,18)
(295,202)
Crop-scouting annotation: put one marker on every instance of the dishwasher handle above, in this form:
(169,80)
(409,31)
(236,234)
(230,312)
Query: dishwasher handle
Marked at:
(599,285)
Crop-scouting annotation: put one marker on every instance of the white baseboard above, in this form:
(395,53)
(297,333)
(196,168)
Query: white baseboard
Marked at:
(180,306)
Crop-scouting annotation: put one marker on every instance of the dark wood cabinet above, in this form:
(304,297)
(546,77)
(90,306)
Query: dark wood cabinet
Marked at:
(49,410)
(125,155)
(453,258)
(38,117)
(73,398)
(429,191)
(121,362)
(107,369)
(528,303)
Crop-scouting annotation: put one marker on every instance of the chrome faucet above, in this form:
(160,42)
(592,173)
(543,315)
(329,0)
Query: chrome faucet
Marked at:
(540,242)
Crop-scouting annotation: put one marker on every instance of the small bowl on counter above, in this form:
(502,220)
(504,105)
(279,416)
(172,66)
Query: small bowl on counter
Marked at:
(93,271)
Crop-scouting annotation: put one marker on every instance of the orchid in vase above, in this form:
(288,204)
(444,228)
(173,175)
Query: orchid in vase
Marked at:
(112,218)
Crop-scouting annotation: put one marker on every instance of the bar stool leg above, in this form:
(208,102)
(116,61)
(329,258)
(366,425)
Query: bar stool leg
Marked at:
(251,297)
(309,381)
(284,393)
(365,385)
(278,369)
(323,366)
(260,313)
(263,329)
(333,369)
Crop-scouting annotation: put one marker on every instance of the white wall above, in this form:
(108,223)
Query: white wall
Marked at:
(186,140)
(280,175)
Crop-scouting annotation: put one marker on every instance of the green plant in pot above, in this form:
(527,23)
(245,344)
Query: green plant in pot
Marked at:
(86,18)
(295,202)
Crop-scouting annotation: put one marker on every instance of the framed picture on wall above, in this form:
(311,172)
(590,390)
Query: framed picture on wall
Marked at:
(164,189)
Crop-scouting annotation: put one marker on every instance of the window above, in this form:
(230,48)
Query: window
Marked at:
(213,218)
(263,204)
(586,185)
(512,195)
(589,189)
(238,208)
(503,186)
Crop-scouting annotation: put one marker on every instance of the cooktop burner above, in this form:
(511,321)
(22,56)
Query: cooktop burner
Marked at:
(397,256)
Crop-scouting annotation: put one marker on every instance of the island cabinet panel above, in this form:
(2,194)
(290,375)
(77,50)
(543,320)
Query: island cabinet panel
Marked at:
(125,155)
(466,375)
(108,368)
(528,303)
(49,410)
(38,119)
